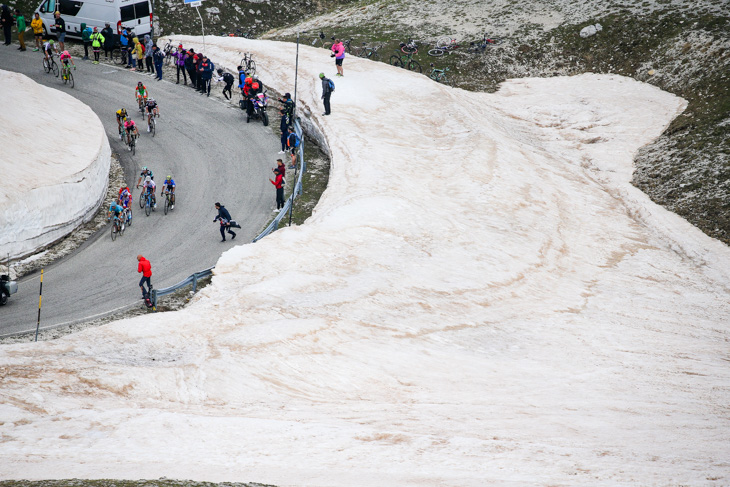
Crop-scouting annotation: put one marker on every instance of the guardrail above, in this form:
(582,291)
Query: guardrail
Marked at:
(274,225)
(193,279)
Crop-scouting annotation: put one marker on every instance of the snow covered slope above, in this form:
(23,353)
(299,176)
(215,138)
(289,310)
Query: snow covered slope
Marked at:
(54,165)
(479,299)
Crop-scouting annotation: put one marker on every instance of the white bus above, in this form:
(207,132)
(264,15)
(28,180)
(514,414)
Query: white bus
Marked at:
(132,14)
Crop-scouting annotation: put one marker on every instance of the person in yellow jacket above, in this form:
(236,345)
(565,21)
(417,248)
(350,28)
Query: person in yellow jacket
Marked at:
(37,25)
(96,42)
(138,55)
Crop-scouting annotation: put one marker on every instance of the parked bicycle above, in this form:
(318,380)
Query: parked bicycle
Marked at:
(439,75)
(478,47)
(406,60)
(248,64)
(410,47)
(50,65)
(319,41)
(238,33)
(369,52)
(169,50)
(444,45)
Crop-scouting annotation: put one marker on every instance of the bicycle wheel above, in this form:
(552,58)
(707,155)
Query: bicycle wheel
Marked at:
(251,68)
(134,145)
(121,228)
(114,231)
(153,127)
(64,78)
(375,55)
(414,66)
(167,205)
(141,199)
(396,61)
(148,207)
(46,66)
(115,55)
(436,52)
(71,79)
(444,42)
(54,68)
(243,63)
(409,49)
(129,216)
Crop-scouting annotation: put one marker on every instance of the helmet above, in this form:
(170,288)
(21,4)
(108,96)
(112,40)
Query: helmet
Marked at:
(124,112)
(139,83)
(150,100)
(255,86)
(248,80)
(168,177)
(52,42)
(148,179)
(65,53)
(321,75)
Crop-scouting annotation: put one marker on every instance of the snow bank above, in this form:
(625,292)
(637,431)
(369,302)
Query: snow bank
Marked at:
(54,165)
(479,299)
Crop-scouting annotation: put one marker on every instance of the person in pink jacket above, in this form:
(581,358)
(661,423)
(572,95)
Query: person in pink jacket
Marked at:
(338,52)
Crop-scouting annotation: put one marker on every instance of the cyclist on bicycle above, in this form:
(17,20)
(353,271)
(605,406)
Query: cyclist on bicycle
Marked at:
(65,58)
(49,48)
(131,129)
(145,172)
(121,116)
(125,197)
(115,209)
(140,92)
(168,186)
(149,187)
(152,109)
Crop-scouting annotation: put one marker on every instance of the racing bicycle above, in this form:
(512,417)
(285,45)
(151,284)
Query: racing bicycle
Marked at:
(50,65)
(168,201)
(248,64)
(369,52)
(117,227)
(439,75)
(66,75)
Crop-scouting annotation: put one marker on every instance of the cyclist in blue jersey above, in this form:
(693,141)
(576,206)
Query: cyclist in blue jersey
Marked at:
(168,186)
(149,187)
(115,209)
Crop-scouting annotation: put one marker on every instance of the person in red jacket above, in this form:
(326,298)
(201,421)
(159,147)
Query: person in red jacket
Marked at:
(279,185)
(145,268)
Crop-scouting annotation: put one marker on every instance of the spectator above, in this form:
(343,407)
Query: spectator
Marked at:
(281,167)
(241,77)
(284,128)
(96,42)
(228,79)
(288,106)
(179,56)
(60,26)
(109,40)
(124,45)
(206,74)
(190,66)
(292,142)
(20,19)
(139,54)
(326,92)
(145,268)
(225,219)
(338,52)
(86,39)
(158,57)
(278,183)
(197,59)
(7,22)
(148,53)
(37,25)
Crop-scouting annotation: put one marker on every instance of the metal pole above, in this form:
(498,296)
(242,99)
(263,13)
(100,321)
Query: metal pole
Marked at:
(296,77)
(202,27)
(294,189)
(40,299)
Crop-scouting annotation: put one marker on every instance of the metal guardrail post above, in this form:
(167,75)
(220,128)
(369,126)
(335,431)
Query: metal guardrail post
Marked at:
(154,299)
(195,281)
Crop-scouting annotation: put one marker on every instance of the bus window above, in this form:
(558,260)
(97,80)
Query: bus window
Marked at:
(141,10)
(127,13)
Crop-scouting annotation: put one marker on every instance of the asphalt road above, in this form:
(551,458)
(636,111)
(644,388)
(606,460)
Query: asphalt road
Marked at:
(212,154)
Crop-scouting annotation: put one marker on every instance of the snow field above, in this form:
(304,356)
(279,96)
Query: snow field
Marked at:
(479,299)
(54,165)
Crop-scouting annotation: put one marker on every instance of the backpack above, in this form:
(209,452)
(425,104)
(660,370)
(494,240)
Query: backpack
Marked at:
(293,140)
(142,45)
(331,84)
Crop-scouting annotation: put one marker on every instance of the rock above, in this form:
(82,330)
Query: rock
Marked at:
(590,30)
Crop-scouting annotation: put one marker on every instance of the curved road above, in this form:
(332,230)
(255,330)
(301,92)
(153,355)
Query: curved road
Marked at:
(213,156)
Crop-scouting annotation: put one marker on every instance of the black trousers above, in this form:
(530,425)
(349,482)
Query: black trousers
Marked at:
(205,86)
(284,136)
(107,50)
(86,48)
(148,63)
(326,101)
(193,78)
(227,89)
(225,228)
(280,198)
(7,32)
(181,69)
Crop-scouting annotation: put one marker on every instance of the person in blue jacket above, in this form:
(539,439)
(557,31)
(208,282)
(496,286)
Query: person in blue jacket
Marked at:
(206,74)
(158,57)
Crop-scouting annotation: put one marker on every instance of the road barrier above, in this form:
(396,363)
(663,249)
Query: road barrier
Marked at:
(193,279)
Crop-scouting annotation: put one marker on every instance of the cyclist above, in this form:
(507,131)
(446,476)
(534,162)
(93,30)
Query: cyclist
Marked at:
(125,199)
(65,58)
(131,129)
(140,92)
(168,186)
(149,187)
(152,109)
(116,210)
(49,48)
(121,116)
(145,172)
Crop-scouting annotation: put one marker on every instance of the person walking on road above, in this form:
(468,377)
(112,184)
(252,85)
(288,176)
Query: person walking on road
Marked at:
(278,183)
(37,25)
(96,42)
(20,20)
(109,39)
(60,26)
(225,219)
(338,52)
(158,57)
(228,79)
(145,268)
(327,89)
(7,22)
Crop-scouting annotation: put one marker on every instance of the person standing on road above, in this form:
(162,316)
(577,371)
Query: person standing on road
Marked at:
(190,66)
(86,39)
(148,54)
(278,183)
(37,25)
(109,39)
(206,73)
(225,219)
(60,26)
(7,22)
(326,92)
(96,41)
(228,79)
(338,52)
(288,105)
(158,57)
(20,19)
(180,56)
(145,268)
(124,44)
(139,54)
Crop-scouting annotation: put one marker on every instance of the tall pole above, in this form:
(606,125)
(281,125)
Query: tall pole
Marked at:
(40,299)
(296,77)
(202,27)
